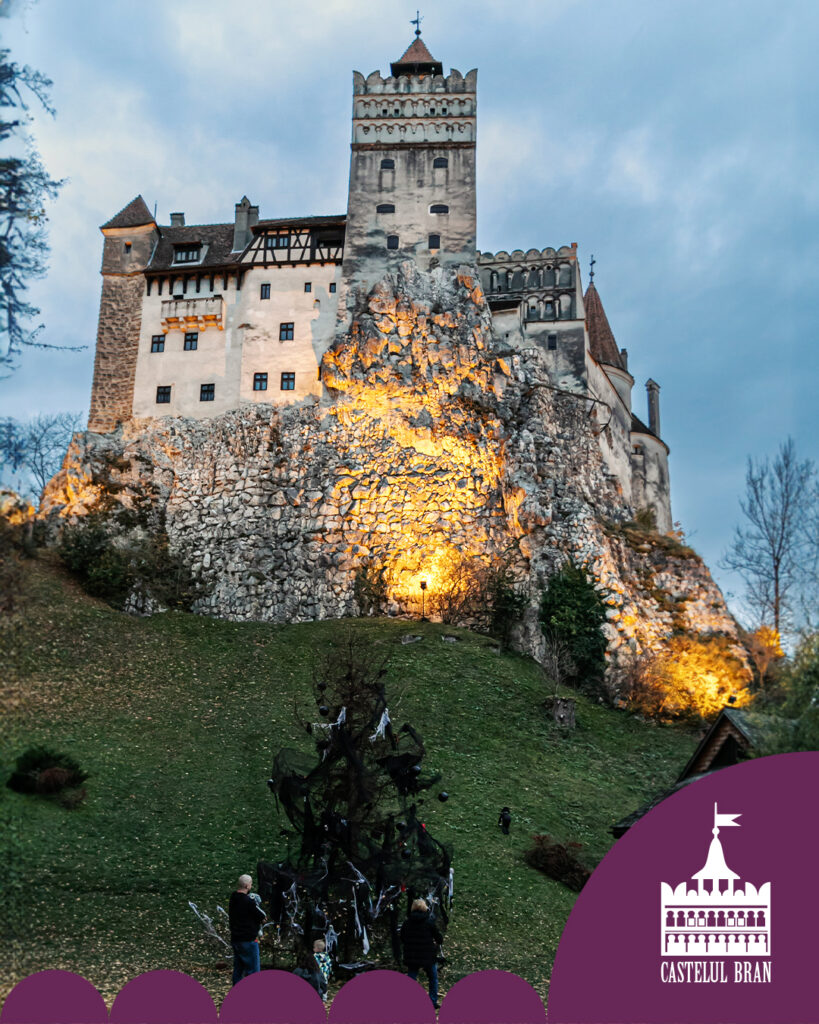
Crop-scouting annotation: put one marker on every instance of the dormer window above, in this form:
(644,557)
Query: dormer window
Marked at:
(280,241)
(191,253)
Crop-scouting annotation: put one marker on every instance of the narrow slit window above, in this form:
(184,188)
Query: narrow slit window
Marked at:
(332,287)
(308,286)
(552,342)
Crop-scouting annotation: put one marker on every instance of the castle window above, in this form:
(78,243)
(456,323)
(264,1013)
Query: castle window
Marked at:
(385,208)
(187,253)
(387,164)
(277,241)
(392,241)
(397,111)
(158,343)
(552,342)
(440,161)
(288,381)
(265,291)
(438,208)
(163,394)
(191,341)
(443,110)
(260,382)
(332,287)
(432,109)
(435,241)
(286,332)
(207,392)
(127,248)
(308,286)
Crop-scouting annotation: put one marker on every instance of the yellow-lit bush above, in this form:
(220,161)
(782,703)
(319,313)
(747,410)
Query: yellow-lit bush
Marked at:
(691,677)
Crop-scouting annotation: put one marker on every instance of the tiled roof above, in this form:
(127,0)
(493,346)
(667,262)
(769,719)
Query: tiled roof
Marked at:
(416,58)
(297,222)
(601,339)
(134,215)
(416,53)
(638,427)
(217,237)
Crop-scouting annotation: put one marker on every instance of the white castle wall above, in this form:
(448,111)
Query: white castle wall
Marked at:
(248,342)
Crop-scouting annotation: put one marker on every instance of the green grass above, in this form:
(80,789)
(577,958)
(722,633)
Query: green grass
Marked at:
(177,719)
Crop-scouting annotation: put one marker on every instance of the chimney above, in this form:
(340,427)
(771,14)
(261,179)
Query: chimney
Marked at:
(177,220)
(653,389)
(246,217)
(624,357)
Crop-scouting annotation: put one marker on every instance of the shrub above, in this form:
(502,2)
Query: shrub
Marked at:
(572,611)
(47,772)
(691,678)
(559,861)
(110,565)
(370,588)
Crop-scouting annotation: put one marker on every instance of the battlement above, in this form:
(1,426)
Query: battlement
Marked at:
(375,85)
(519,256)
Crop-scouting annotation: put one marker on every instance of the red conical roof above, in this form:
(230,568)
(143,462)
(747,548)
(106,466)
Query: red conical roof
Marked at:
(601,338)
(417,60)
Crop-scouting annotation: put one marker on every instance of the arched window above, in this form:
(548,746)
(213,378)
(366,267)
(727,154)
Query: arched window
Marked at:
(440,161)
(387,164)
(385,208)
(392,241)
(549,276)
(435,241)
(564,276)
(438,208)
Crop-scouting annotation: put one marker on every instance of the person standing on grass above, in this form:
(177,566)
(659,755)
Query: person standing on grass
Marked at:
(246,917)
(421,941)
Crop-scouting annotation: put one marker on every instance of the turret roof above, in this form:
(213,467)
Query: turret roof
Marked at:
(715,867)
(135,215)
(416,60)
(601,338)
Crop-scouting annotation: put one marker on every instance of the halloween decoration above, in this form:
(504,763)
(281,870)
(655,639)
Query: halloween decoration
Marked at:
(358,852)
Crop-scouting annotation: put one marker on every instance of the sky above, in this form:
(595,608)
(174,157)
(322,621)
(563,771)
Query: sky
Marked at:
(676,141)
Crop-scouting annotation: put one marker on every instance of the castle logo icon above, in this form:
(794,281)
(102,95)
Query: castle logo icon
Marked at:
(723,916)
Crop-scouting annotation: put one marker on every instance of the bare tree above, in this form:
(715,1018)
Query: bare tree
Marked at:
(25,187)
(771,549)
(38,446)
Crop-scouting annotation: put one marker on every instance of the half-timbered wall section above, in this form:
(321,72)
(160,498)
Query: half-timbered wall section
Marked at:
(222,326)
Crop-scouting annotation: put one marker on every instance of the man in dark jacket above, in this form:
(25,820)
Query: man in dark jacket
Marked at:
(421,941)
(246,918)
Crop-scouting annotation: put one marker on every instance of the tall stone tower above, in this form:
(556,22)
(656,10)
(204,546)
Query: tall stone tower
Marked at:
(130,239)
(412,169)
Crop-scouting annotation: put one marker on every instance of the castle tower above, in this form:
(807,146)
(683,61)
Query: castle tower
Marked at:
(412,169)
(130,240)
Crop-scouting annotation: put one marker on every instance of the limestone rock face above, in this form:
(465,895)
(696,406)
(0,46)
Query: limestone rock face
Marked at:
(433,442)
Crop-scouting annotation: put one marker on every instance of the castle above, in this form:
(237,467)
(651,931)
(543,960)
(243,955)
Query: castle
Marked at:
(199,320)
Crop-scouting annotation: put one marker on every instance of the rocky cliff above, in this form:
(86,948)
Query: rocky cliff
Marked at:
(433,443)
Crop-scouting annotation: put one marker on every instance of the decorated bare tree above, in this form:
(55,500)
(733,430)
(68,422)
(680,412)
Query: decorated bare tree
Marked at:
(357,850)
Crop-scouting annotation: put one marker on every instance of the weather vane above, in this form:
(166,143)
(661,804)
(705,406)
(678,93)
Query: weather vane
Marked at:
(416,21)
(591,268)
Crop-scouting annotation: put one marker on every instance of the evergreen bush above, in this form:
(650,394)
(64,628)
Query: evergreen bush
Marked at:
(572,610)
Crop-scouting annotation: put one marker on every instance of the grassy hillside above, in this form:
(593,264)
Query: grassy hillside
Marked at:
(178,717)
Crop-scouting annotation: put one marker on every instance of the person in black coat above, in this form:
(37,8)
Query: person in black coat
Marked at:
(505,820)
(421,941)
(307,967)
(246,918)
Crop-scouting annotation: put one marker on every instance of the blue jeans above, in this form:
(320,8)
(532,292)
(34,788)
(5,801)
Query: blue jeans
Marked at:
(432,975)
(245,959)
